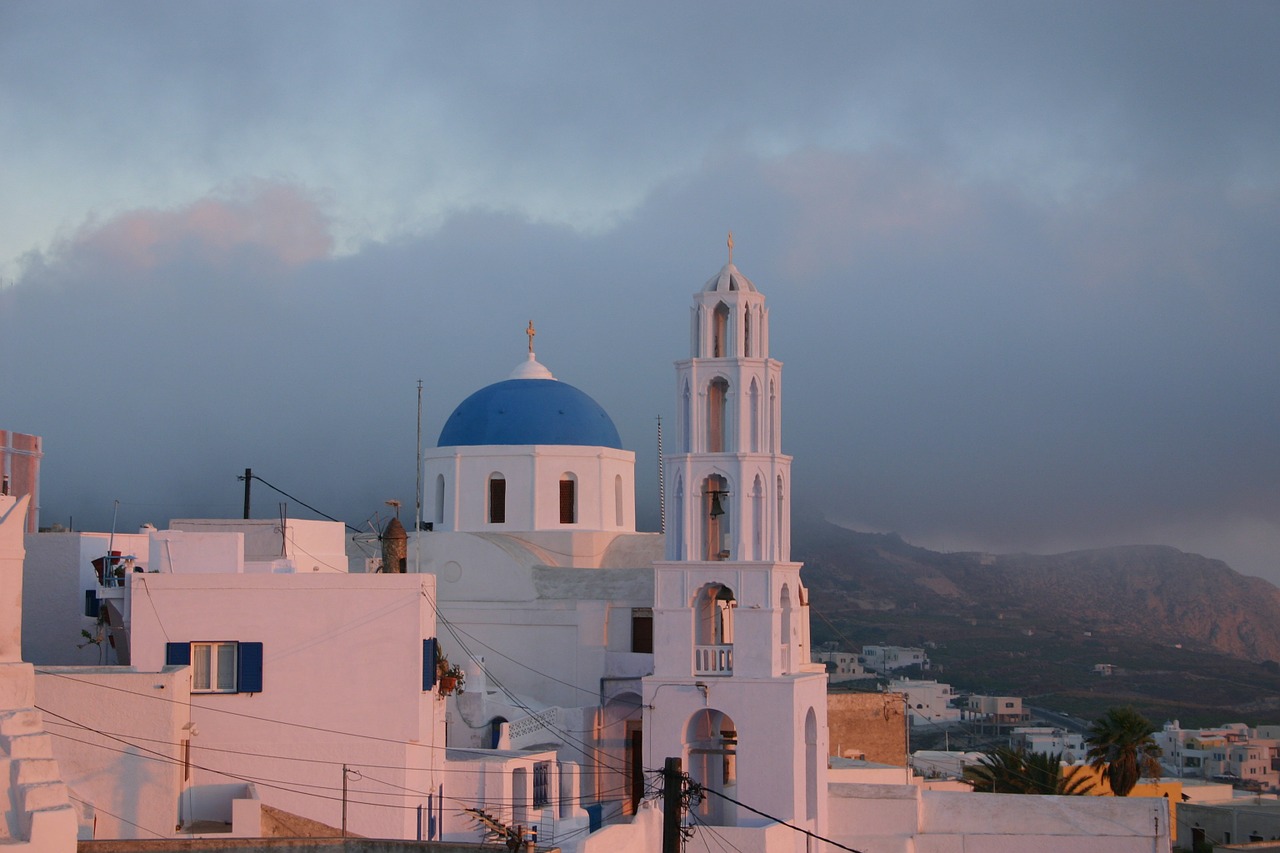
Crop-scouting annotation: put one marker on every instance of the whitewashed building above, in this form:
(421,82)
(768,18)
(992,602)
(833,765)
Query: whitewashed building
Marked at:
(885,659)
(929,702)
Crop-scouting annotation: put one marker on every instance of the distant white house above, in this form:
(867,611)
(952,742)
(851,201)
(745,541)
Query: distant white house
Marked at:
(998,710)
(928,701)
(885,659)
(842,666)
(1246,757)
(1051,741)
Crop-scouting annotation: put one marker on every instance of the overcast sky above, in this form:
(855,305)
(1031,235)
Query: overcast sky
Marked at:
(1022,259)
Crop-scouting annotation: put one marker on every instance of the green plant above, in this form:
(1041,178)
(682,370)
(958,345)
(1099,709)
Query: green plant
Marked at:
(1120,740)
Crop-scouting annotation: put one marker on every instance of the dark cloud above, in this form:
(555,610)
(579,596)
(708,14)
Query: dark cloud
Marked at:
(1020,258)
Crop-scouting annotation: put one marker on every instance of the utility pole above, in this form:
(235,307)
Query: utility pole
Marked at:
(357,777)
(672,790)
(248,479)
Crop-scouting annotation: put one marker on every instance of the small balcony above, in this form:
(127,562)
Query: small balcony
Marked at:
(713,660)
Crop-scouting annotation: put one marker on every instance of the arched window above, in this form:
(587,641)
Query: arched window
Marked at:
(717,395)
(497,499)
(568,498)
(686,415)
(784,602)
(746,332)
(811,765)
(698,318)
(720,332)
(774,444)
(617,500)
(715,606)
(757,519)
(753,411)
(715,518)
(780,522)
(678,518)
(439,513)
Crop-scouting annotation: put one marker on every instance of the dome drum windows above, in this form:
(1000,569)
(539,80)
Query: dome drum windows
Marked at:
(497,509)
(568,498)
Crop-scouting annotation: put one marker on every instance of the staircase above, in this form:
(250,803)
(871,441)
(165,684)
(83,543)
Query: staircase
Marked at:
(38,816)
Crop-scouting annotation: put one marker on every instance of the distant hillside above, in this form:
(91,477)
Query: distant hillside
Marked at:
(1035,625)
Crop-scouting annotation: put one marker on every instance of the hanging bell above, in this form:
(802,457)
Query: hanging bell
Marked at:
(716,509)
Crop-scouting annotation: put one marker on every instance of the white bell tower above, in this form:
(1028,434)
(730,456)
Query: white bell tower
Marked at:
(733,692)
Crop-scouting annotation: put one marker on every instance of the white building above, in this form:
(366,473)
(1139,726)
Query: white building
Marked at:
(928,701)
(841,666)
(1050,741)
(885,659)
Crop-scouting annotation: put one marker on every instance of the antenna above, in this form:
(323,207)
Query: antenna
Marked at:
(662,489)
(417,512)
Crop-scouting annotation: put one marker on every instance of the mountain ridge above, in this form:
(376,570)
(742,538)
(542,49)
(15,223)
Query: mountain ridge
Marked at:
(1187,636)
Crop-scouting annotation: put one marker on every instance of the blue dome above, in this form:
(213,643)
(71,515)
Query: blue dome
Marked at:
(529,411)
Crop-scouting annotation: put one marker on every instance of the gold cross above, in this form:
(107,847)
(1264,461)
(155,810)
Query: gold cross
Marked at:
(530,332)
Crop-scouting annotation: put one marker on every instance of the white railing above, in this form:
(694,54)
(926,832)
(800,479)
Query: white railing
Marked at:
(713,660)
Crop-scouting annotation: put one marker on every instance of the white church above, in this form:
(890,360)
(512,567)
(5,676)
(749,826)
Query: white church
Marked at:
(246,654)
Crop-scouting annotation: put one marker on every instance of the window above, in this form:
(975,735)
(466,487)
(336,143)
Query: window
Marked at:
(642,630)
(568,499)
(497,499)
(219,667)
(541,784)
(717,394)
(214,667)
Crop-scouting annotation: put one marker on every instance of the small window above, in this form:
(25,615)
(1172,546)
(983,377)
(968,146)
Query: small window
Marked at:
(497,499)
(213,668)
(541,784)
(568,500)
(642,630)
(219,667)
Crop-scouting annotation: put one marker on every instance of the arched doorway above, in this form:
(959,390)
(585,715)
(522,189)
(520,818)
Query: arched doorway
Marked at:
(711,759)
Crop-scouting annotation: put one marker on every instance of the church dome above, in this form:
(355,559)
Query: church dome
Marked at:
(728,279)
(530,411)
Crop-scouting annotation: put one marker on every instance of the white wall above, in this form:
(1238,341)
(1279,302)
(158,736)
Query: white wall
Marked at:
(342,683)
(533,475)
(117,736)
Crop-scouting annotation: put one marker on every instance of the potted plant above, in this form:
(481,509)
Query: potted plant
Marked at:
(451,677)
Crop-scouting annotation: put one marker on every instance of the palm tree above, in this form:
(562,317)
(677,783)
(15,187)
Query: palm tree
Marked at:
(1016,771)
(1120,740)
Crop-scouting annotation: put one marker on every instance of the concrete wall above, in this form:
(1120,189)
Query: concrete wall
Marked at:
(118,736)
(287,845)
(904,818)
(871,723)
(341,684)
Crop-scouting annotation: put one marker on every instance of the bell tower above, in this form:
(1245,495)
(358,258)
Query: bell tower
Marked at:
(729,484)
(733,692)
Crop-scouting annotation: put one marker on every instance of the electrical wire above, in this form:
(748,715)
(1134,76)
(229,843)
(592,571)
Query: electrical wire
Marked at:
(302,503)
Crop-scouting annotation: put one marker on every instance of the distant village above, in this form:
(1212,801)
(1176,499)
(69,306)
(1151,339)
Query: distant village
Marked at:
(519,667)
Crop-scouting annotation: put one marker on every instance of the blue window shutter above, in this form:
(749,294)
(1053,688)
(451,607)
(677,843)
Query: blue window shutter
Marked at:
(177,654)
(91,603)
(249,668)
(428,663)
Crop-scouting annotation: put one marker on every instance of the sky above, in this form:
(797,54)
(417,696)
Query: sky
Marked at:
(1021,258)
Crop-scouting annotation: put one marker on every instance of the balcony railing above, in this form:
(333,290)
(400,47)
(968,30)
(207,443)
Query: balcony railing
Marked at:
(713,660)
